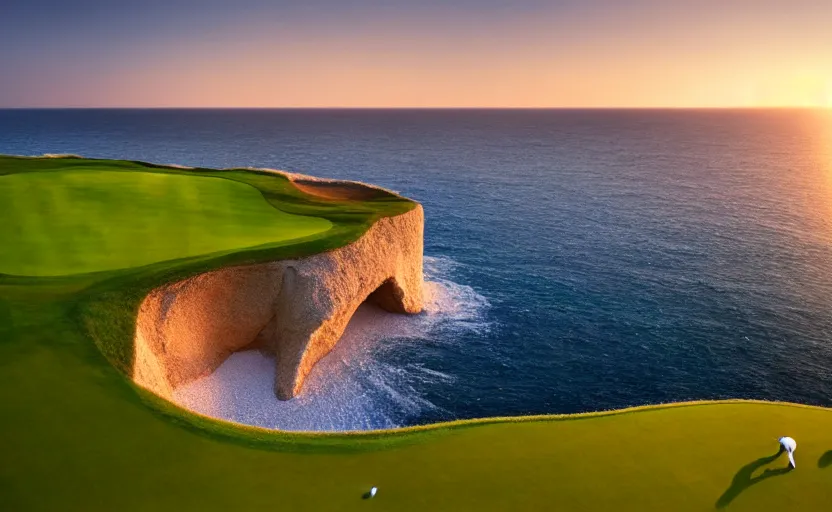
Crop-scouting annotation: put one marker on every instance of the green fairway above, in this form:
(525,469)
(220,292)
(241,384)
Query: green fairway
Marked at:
(76,434)
(87,221)
(73,425)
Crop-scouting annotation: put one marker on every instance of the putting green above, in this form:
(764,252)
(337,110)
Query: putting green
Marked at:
(75,434)
(59,223)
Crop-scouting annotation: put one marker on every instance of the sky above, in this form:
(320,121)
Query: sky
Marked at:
(420,54)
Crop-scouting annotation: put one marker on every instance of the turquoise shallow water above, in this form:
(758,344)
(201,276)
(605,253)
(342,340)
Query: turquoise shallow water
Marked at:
(586,259)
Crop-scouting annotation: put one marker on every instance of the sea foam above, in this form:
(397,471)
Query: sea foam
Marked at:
(354,387)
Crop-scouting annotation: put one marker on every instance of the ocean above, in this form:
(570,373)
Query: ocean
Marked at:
(576,260)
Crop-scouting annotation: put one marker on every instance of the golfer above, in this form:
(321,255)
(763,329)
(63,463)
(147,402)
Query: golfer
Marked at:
(789,445)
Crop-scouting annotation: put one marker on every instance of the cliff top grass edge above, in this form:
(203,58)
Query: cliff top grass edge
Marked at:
(101,234)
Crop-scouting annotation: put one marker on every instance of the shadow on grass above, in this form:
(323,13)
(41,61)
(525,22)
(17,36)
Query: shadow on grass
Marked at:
(745,478)
(825,460)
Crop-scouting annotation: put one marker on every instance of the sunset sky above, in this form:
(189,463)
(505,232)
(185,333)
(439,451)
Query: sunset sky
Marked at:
(430,53)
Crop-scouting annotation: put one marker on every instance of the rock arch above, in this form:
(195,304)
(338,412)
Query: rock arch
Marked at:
(297,309)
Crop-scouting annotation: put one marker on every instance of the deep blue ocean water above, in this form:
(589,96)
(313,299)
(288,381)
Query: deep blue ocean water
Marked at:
(588,259)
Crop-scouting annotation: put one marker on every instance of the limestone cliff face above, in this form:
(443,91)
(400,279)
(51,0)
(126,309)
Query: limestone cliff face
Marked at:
(297,309)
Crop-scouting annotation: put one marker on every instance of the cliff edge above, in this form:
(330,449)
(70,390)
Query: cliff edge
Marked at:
(296,309)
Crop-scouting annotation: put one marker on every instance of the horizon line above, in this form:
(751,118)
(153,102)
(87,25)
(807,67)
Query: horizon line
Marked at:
(760,107)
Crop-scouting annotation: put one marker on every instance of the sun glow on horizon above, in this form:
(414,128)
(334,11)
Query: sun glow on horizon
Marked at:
(803,90)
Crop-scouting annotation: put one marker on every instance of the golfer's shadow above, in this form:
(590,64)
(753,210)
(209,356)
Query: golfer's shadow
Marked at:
(745,478)
(825,460)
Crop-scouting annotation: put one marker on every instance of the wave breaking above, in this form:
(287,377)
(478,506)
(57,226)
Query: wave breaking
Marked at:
(355,386)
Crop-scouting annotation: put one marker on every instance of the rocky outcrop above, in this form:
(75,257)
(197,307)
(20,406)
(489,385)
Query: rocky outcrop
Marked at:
(296,309)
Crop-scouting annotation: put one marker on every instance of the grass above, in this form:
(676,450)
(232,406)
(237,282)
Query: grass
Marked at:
(247,207)
(75,434)
(84,221)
